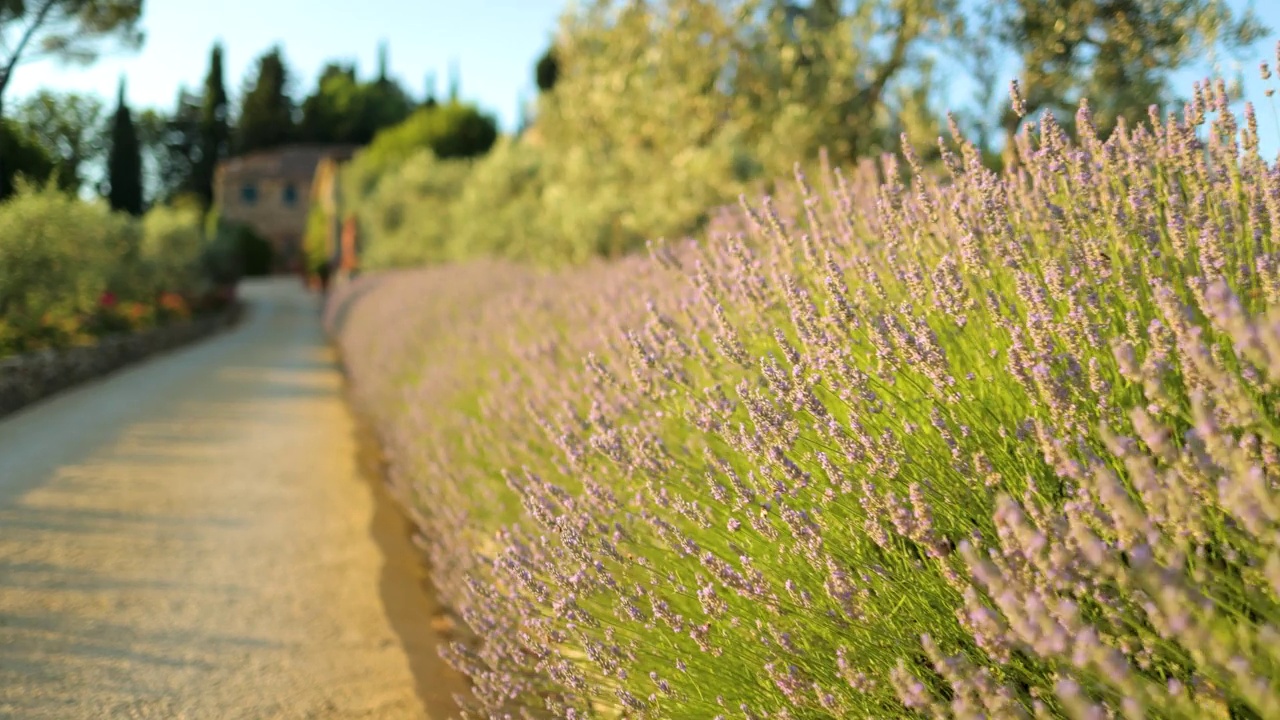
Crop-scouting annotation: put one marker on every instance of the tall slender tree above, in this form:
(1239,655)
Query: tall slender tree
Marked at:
(266,110)
(430,100)
(455,81)
(124,163)
(215,129)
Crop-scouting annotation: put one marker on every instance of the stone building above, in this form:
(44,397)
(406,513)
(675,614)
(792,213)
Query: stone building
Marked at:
(270,191)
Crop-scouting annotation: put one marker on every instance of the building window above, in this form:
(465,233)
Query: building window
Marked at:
(290,195)
(249,194)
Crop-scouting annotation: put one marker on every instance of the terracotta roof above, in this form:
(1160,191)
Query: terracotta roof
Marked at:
(293,161)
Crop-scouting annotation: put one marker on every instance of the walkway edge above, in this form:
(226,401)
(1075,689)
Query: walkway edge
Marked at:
(31,377)
(422,622)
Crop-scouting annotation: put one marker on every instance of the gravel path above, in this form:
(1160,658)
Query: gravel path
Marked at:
(191,538)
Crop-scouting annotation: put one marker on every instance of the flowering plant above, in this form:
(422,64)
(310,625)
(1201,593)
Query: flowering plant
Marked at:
(982,445)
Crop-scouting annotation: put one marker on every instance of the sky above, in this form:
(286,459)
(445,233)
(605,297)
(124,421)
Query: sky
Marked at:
(493,43)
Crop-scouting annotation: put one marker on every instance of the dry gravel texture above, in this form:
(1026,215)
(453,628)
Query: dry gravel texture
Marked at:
(191,538)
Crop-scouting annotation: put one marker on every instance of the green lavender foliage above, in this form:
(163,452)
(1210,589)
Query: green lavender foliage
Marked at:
(959,445)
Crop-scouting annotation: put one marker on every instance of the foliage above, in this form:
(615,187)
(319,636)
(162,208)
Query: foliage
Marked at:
(401,185)
(344,110)
(1121,60)
(975,445)
(73,270)
(124,161)
(66,29)
(25,157)
(448,130)
(663,111)
(173,245)
(315,242)
(239,250)
(214,130)
(406,218)
(70,128)
(266,117)
(546,71)
(505,189)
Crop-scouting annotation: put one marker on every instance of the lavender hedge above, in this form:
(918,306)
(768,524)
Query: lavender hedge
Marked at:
(973,446)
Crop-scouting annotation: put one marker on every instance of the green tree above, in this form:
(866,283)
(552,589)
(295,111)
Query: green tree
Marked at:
(26,158)
(266,109)
(73,30)
(214,131)
(663,110)
(331,111)
(67,29)
(546,70)
(344,110)
(1118,53)
(173,143)
(152,127)
(124,163)
(451,130)
(69,126)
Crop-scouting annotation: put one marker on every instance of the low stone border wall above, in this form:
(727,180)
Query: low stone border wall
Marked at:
(28,378)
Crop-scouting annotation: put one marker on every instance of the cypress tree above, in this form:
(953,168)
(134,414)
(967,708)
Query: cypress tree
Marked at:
(430,99)
(215,129)
(266,111)
(124,163)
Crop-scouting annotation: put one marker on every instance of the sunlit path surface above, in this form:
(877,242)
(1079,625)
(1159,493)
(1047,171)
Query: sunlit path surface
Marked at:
(189,539)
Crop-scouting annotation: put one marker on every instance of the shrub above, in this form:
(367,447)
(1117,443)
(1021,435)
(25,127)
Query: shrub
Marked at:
(172,244)
(451,130)
(315,244)
(407,219)
(497,210)
(999,446)
(72,270)
(24,158)
(240,250)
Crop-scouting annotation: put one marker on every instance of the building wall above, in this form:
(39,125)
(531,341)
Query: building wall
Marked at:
(263,203)
(271,192)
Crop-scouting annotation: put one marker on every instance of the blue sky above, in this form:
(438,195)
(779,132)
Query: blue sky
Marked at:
(493,42)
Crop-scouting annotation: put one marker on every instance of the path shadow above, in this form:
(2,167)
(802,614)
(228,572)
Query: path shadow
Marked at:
(404,585)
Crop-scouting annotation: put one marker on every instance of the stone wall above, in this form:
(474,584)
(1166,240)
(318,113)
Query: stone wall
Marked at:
(28,378)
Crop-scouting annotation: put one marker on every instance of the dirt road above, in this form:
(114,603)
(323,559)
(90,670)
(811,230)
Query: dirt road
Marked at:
(190,538)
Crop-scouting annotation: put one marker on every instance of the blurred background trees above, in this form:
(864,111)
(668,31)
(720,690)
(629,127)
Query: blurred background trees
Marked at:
(68,127)
(267,111)
(1119,54)
(648,114)
(70,30)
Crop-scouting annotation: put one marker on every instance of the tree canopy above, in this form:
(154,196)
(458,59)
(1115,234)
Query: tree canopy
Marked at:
(72,30)
(1118,53)
(70,129)
(266,108)
(342,109)
(26,158)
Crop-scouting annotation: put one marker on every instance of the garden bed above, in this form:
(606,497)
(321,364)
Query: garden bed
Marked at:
(30,377)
